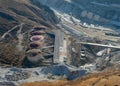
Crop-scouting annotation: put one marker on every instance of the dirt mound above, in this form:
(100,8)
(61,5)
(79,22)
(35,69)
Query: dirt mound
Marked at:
(57,83)
(106,78)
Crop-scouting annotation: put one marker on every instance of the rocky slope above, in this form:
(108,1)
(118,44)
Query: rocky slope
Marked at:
(90,11)
(29,12)
(24,14)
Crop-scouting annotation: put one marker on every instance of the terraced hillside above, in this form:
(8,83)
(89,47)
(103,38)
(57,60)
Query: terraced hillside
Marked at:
(31,12)
(98,12)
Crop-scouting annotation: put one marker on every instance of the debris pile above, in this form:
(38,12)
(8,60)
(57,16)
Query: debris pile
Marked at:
(7,84)
(16,75)
(63,70)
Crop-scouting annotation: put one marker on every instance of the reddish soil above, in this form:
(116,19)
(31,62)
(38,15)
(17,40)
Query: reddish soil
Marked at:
(106,78)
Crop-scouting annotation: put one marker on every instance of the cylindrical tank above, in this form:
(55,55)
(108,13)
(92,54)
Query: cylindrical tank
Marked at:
(36,44)
(34,55)
(38,33)
(96,17)
(84,13)
(37,38)
(39,28)
(89,15)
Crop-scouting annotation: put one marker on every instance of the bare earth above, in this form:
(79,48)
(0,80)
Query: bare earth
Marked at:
(106,78)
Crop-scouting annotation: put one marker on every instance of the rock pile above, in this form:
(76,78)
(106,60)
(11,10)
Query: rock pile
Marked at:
(17,75)
(7,84)
(62,71)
